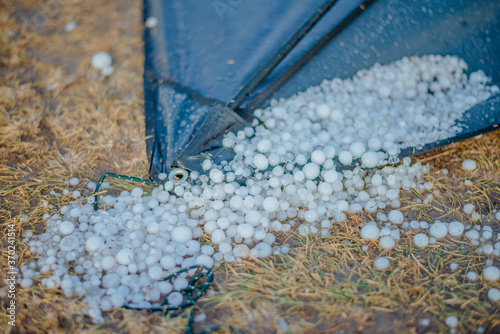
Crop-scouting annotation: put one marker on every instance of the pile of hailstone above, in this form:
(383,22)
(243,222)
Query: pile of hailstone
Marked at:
(283,176)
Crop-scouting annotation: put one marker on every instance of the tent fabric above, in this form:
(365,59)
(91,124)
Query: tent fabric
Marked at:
(204,55)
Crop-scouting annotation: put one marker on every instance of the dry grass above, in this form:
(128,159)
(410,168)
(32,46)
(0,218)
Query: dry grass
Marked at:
(60,119)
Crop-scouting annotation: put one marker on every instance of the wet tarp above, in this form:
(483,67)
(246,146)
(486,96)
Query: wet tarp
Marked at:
(210,63)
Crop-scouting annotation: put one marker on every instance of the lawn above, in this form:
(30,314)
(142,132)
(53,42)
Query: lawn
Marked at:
(60,119)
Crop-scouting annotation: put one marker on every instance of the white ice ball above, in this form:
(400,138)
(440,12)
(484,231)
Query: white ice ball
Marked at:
(155,272)
(264,146)
(311,216)
(345,157)
(456,229)
(217,176)
(396,217)
(94,243)
(125,256)
(110,280)
(75,212)
(491,273)
(318,157)
(386,242)
(167,262)
(218,236)
(370,159)
(421,240)
(323,111)
(245,230)
(53,282)
(331,176)
(311,170)
(253,217)
(69,243)
(263,250)
(357,149)
(451,321)
(181,234)
(438,230)
(205,260)
(270,204)
(107,262)
(494,294)
(374,144)
(382,263)
(101,60)
(180,283)
(107,71)
(74,181)
(469,164)
(26,282)
(370,232)
(260,162)
(151,22)
(66,227)
(165,287)
(469,208)
(117,300)
(175,299)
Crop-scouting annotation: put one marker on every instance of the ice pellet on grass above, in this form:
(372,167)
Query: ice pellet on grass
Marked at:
(494,294)
(381,263)
(425,322)
(472,234)
(469,164)
(396,217)
(469,208)
(53,282)
(438,230)
(70,26)
(74,181)
(456,229)
(200,317)
(370,232)
(451,321)
(421,240)
(491,273)
(387,242)
(101,60)
(107,71)
(487,249)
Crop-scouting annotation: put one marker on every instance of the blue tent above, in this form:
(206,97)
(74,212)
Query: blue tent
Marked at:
(210,63)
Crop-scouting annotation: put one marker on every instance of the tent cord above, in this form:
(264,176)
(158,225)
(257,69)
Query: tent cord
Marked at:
(192,293)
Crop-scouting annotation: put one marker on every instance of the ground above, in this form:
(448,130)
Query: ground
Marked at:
(59,119)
